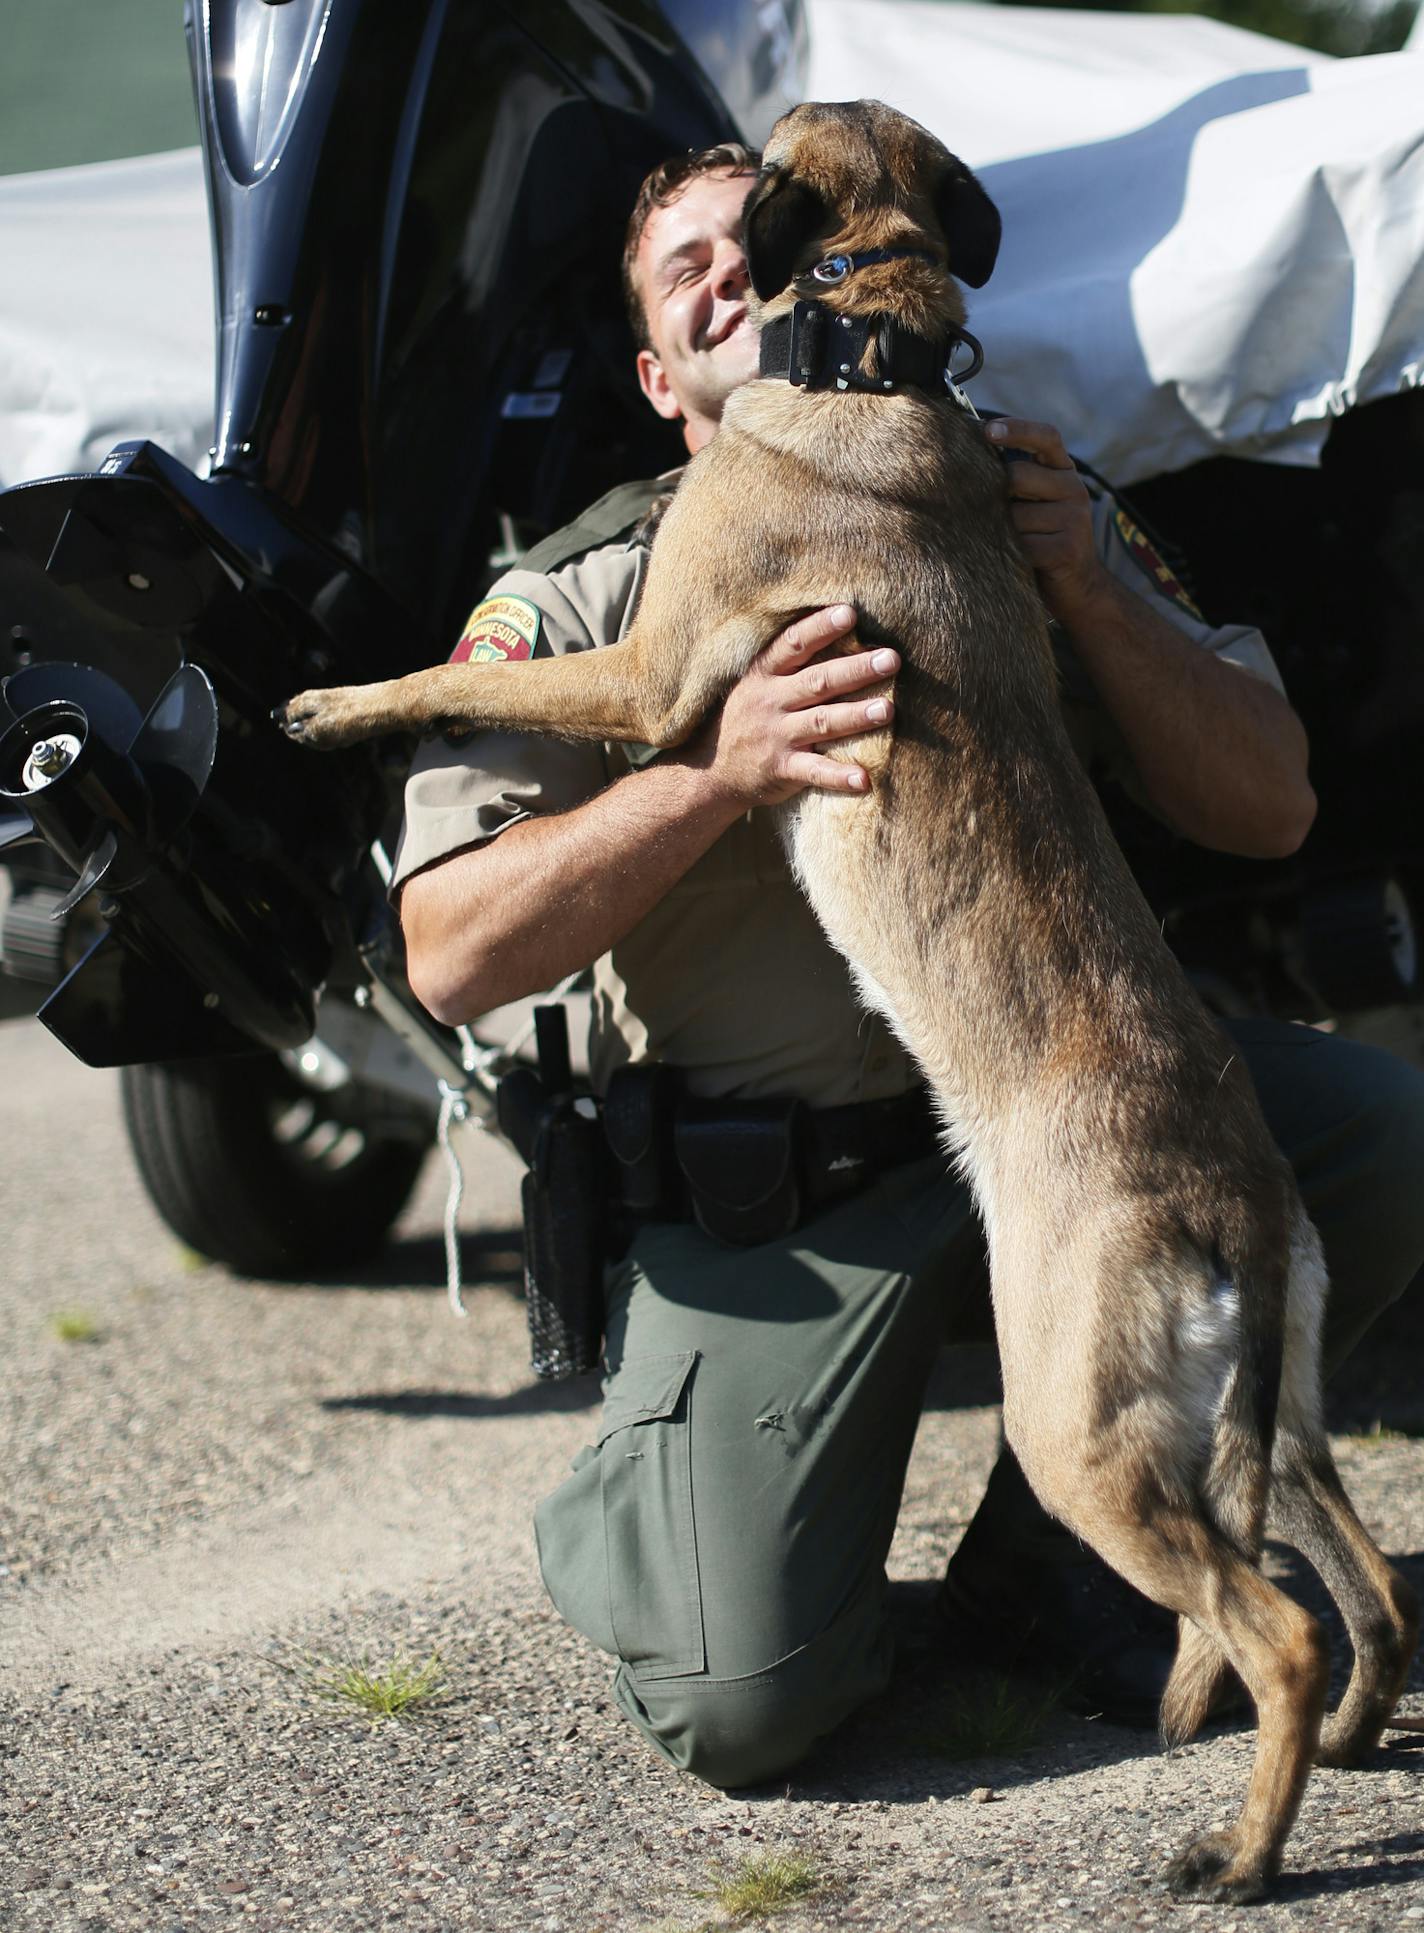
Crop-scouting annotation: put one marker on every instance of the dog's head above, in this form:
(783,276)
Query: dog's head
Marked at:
(849,175)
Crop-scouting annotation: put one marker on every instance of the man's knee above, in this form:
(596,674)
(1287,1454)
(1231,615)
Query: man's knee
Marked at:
(1404,1102)
(1373,1181)
(1389,1096)
(744,1731)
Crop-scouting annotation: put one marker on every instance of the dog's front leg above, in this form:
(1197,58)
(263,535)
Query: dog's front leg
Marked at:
(648,690)
(587,694)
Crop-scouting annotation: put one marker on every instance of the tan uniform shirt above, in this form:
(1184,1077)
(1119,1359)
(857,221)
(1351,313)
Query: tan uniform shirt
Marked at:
(729,977)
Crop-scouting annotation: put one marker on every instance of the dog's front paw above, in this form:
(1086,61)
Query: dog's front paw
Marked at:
(1211,1868)
(327,719)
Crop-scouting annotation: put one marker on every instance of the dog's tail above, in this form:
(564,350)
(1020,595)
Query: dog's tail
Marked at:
(1232,1347)
(1199,1681)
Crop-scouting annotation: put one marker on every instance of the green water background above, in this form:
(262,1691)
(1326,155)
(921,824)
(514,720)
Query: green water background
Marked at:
(89,80)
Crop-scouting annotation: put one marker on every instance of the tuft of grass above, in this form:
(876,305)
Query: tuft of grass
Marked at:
(74,1325)
(992,1717)
(400,1689)
(1379,1433)
(762,1884)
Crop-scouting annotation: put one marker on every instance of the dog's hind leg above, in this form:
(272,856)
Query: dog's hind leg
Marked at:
(1380,1610)
(1312,1511)
(1200,1675)
(1279,1652)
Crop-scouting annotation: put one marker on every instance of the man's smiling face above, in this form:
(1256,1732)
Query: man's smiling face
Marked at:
(692,276)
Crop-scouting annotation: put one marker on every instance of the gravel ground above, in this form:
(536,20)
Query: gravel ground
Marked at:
(235,1489)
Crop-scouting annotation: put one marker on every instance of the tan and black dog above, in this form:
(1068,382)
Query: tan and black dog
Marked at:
(1157,1286)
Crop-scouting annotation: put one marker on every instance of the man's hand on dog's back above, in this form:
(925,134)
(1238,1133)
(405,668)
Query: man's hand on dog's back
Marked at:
(552,892)
(763,746)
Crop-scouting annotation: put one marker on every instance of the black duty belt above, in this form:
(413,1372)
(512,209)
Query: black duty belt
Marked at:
(849,1146)
(750,1171)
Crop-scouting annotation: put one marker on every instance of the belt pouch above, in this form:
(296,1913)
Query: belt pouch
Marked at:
(742,1162)
(639,1111)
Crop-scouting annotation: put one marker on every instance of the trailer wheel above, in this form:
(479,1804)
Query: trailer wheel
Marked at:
(251,1168)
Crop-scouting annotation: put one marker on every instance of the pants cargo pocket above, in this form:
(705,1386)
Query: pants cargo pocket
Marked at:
(645,1464)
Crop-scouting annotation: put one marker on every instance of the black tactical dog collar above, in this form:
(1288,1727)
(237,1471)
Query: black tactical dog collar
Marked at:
(814,348)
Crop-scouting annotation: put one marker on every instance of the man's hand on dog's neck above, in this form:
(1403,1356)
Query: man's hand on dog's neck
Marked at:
(1221,755)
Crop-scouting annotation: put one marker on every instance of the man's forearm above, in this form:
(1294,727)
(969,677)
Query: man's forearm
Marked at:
(516,914)
(512,916)
(1221,754)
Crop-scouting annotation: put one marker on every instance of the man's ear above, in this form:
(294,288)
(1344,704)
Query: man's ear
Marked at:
(652,380)
(781,216)
(971,225)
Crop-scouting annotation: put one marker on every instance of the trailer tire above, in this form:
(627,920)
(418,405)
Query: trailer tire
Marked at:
(251,1168)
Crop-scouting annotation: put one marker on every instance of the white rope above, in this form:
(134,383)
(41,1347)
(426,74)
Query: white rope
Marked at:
(453,1108)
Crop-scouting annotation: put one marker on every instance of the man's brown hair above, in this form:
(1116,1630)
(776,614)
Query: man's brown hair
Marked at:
(662,186)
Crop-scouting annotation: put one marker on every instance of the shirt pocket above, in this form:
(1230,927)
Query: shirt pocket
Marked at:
(645,1456)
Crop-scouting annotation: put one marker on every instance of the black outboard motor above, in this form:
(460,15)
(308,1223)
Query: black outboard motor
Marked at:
(158,785)
(422,365)
(421,357)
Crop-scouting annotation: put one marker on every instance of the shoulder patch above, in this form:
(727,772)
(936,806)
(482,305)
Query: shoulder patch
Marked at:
(502,627)
(1148,558)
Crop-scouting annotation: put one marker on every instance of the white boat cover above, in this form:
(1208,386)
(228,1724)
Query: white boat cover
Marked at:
(106,313)
(1213,241)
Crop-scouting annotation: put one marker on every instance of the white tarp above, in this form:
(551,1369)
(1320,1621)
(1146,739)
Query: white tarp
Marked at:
(106,313)
(1212,240)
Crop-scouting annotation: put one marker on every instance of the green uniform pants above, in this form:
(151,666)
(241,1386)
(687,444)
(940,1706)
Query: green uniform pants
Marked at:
(725,1537)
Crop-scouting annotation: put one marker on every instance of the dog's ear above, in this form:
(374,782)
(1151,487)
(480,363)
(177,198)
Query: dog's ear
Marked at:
(781,216)
(971,225)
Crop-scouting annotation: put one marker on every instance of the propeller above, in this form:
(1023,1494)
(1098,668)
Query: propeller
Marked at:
(106,786)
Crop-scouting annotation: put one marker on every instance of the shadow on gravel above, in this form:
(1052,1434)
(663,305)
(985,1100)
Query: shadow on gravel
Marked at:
(1351,1879)
(946,1728)
(535,1399)
(489,1258)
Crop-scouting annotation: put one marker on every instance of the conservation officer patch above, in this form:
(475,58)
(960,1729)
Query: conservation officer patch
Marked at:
(502,627)
(1146,555)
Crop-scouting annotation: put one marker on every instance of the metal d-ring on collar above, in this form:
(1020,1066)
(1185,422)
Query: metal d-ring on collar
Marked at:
(835,268)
